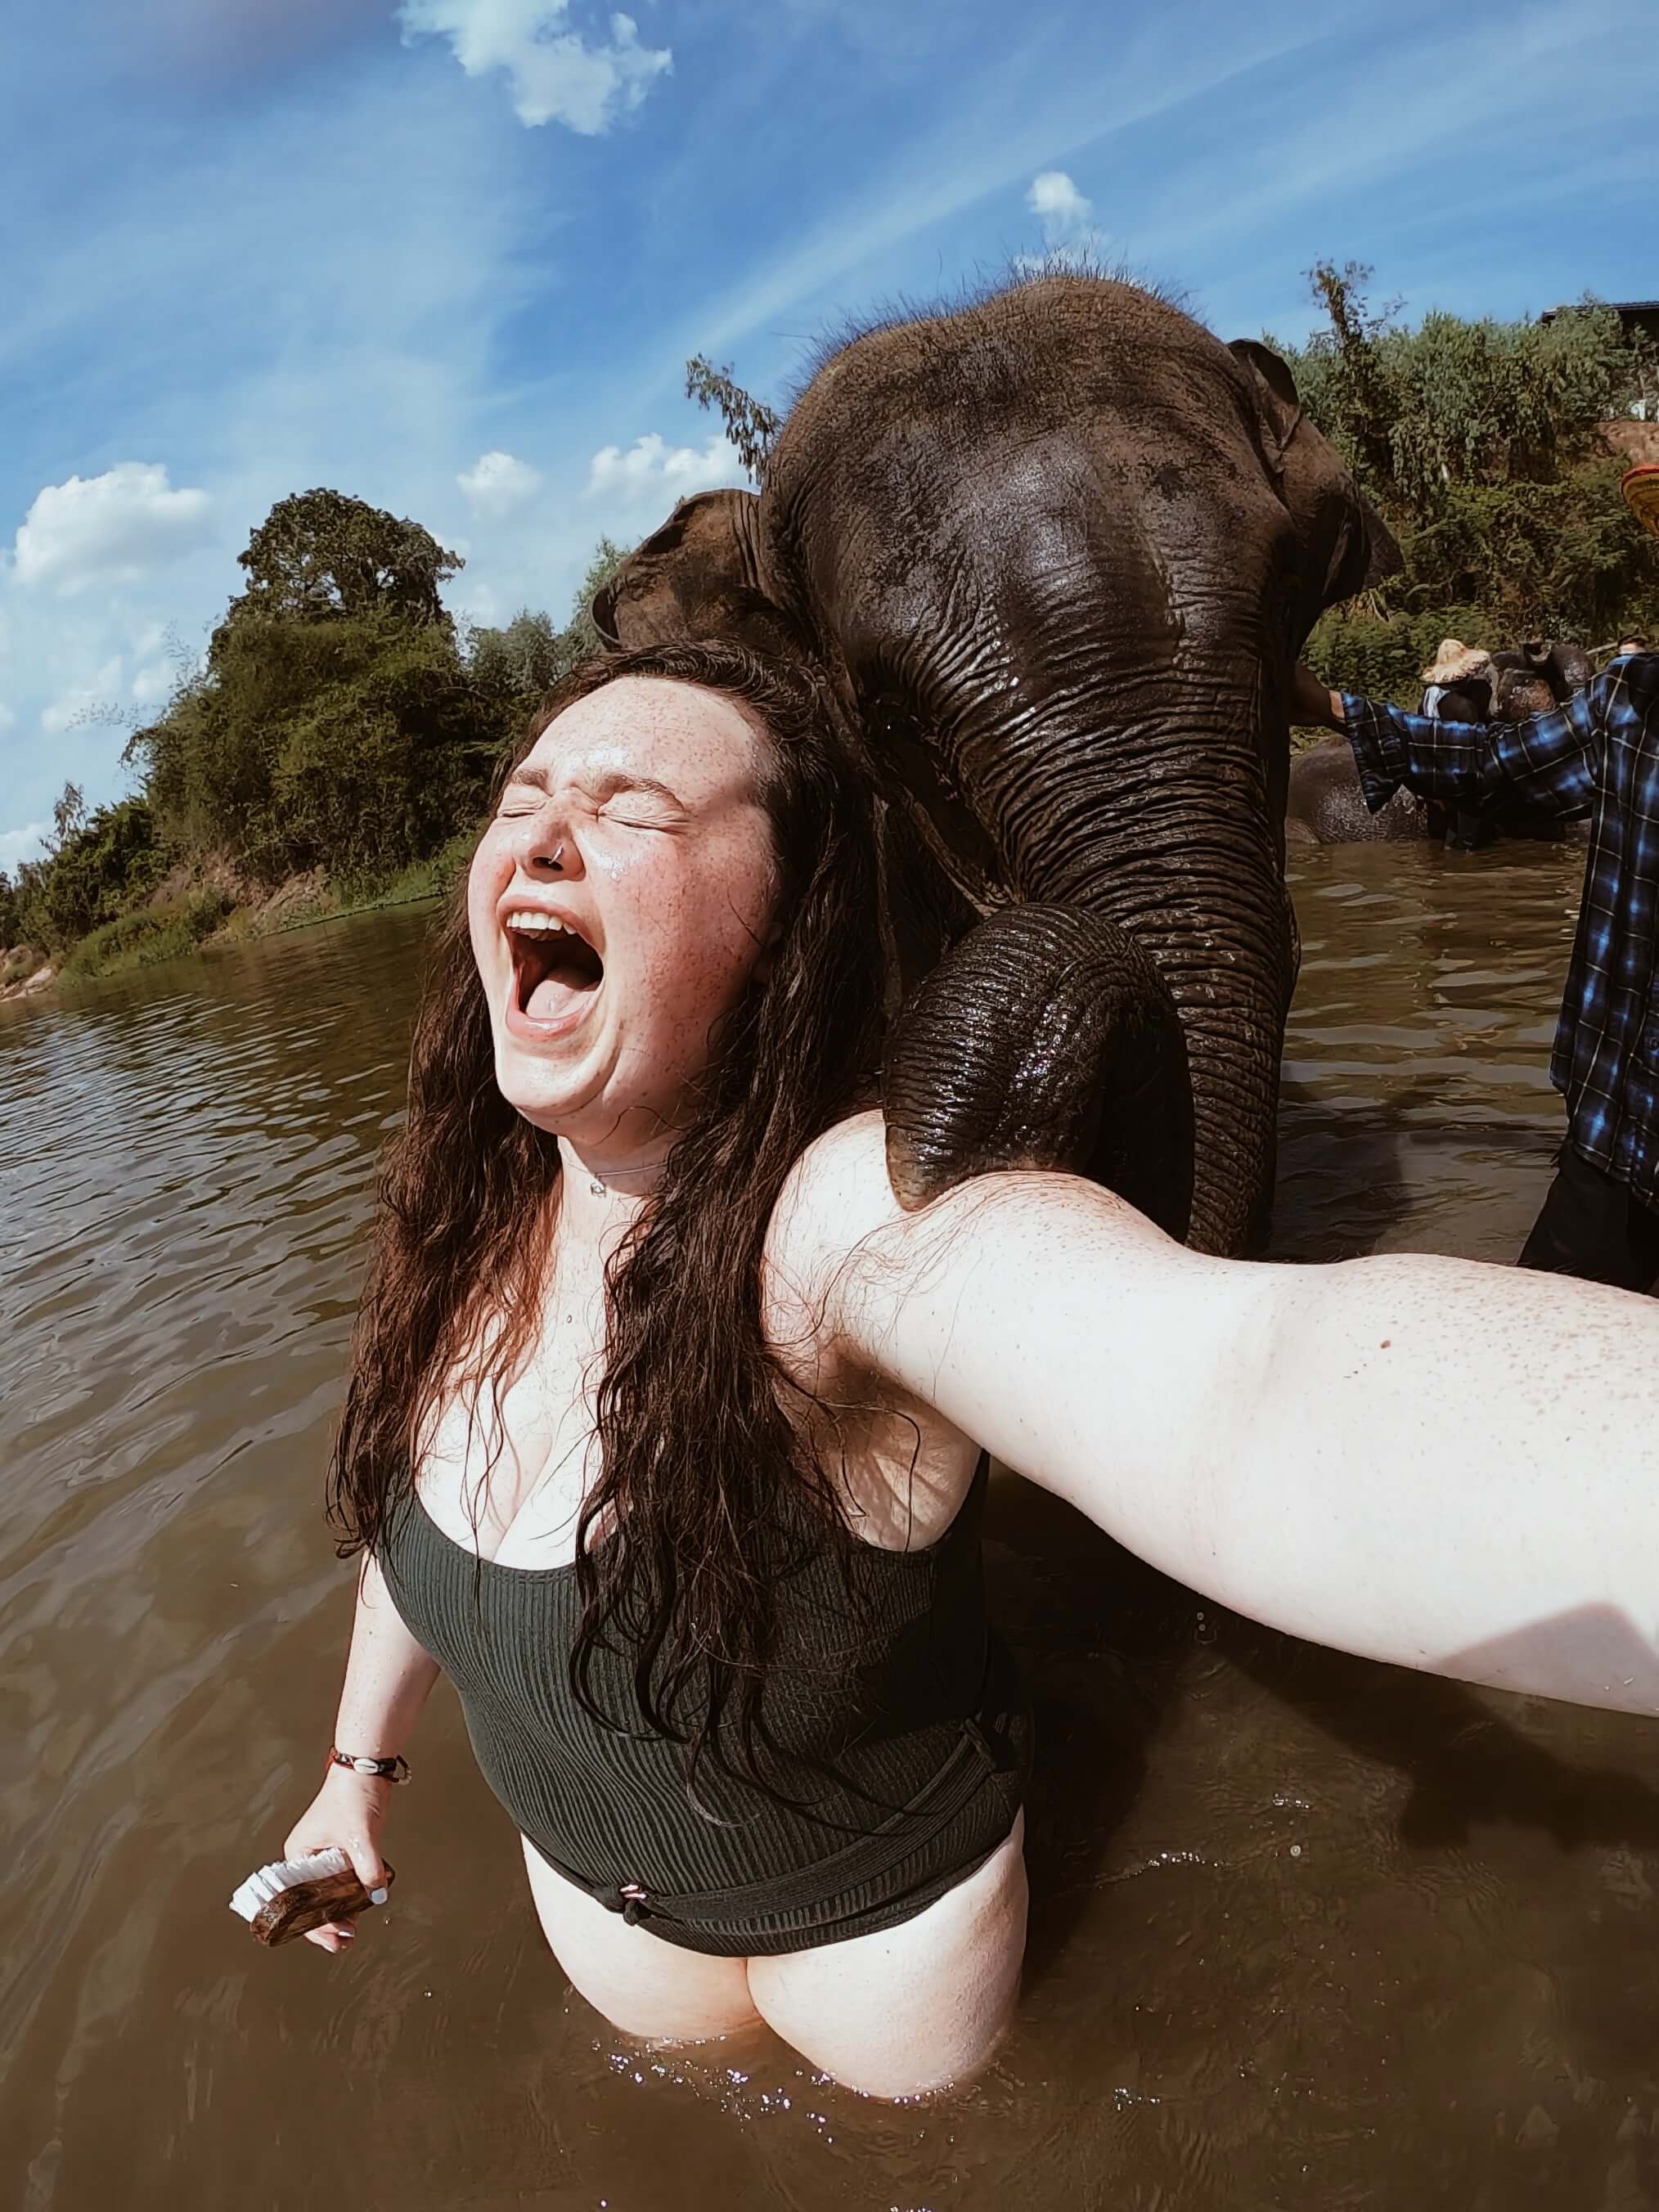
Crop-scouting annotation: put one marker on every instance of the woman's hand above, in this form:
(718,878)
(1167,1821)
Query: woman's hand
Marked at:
(1312,707)
(346,1814)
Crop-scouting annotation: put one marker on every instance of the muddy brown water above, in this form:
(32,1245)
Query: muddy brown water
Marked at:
(1306,1931)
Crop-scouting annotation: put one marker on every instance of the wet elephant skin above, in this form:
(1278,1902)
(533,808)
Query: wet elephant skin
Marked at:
(1057,551)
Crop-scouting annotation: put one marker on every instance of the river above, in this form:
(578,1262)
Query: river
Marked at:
(1306,1932)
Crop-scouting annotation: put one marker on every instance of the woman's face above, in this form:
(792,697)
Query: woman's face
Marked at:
(664,885)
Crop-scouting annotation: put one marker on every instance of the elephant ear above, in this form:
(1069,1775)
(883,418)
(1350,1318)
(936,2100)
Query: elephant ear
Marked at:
(1363,551)
(695,577)
(1277,398)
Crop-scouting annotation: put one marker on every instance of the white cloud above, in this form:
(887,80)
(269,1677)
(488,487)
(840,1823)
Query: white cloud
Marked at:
(112,528)
(8,720)
(497,482)
(556,75)
(1056,200)
(1069,238)
(28,843)
(92,701)
(651,465)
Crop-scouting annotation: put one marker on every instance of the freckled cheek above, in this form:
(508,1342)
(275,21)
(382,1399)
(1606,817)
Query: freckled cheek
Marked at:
(485,882)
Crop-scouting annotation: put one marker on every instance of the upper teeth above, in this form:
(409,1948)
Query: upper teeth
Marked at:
(542,922)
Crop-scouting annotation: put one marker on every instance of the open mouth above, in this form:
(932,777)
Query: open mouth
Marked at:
(554,970)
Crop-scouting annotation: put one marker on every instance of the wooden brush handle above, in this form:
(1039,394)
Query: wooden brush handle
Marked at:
(311,1905)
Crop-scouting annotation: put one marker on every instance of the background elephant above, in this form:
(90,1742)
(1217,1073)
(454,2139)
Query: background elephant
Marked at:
(1325,806)
(1324,803)
(1530,679)
(1057,551)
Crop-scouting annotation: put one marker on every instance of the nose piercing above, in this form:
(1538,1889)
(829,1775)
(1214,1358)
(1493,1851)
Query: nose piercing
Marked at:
(557,860)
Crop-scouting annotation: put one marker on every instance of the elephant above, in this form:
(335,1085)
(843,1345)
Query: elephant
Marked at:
(1056,551)
(1529,679)
(1324,805)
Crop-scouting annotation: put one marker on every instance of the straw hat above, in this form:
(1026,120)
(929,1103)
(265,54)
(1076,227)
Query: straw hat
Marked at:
(1455,662)
(1640,486)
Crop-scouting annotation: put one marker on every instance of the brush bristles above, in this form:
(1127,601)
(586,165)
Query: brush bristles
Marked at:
(282,1874)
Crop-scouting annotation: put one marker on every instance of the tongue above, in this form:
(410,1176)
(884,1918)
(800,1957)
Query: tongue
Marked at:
(553,996)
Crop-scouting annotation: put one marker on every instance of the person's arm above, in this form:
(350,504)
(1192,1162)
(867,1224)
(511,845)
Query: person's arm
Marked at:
(389,1677)
(1425,1461)
(1546,763)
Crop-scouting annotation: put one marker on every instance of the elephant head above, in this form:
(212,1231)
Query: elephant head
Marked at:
(1058,553)
(1531,678)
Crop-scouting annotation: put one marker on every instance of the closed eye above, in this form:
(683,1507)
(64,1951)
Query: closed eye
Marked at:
(631,818)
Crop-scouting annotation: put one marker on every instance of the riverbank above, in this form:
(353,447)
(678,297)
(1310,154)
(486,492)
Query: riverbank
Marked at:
(212,910)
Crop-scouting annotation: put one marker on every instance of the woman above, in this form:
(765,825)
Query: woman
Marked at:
(665,1430)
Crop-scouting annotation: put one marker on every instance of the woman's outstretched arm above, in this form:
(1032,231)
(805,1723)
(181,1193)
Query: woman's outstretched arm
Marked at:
(1426,1460)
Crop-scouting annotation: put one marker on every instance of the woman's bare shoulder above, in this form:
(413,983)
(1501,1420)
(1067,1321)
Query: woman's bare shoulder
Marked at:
(837,1195)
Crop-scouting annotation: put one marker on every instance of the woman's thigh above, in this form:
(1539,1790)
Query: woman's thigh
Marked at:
(642,1985)
(915,2007)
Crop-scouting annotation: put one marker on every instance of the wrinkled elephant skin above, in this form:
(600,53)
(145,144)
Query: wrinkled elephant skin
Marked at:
(1057,552)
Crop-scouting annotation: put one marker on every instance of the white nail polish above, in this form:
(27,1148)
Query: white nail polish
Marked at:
(377,1897)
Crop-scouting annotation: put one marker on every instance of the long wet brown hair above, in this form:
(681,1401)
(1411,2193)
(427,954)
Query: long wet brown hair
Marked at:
(705,1474)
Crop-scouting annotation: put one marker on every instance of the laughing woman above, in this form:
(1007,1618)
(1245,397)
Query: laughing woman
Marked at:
(666,1430)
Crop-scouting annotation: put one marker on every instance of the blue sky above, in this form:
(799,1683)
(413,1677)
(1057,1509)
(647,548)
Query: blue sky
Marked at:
(451,255)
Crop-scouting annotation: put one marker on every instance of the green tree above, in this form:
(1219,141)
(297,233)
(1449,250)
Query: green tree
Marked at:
(357,744)
(322,556)
(750,424)
(68,813)
(521,662)
(101,864)
(1480,442)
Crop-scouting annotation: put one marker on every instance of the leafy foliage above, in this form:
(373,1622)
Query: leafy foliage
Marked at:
(520,663)
(336,724)
(750,424)
(99,866)
(151,933)
(354,744)
(1479,442)
(322,556)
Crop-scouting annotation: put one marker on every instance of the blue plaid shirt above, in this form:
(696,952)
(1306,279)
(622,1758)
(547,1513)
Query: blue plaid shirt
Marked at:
(1598,755)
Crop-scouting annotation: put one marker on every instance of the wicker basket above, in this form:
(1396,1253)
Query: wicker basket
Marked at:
(1640,486)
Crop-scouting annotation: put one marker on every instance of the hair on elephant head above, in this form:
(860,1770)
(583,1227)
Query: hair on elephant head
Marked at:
(1057,551)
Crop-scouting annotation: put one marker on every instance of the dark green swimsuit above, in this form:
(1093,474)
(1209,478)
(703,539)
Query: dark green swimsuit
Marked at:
(906,1732)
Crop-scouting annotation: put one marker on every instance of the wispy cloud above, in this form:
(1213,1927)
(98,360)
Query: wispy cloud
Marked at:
(991,142)
(554,74)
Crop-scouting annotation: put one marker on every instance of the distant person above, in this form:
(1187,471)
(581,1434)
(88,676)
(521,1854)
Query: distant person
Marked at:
(1457,686)
(1599,756)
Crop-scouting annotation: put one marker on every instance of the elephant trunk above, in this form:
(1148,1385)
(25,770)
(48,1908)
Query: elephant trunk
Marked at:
(1091,1080)
(1167,834)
